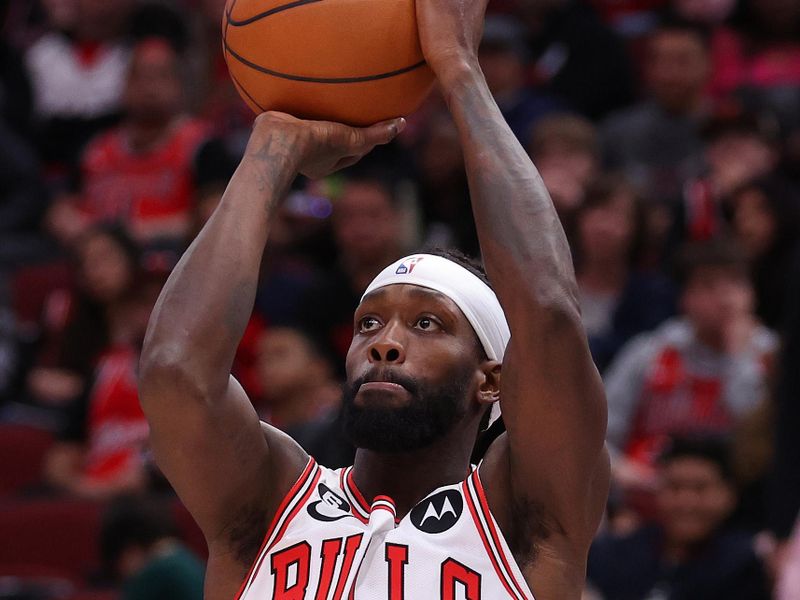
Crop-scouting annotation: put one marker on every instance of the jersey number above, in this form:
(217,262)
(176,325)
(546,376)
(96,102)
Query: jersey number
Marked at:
(291,567)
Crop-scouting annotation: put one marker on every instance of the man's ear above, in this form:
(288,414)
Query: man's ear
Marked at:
(489,388)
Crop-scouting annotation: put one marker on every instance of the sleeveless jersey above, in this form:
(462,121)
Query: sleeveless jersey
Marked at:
(327,543)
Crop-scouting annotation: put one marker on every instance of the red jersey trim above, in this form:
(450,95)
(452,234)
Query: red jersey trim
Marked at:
(356,493)
(487,524)
(355,509)
(291,504)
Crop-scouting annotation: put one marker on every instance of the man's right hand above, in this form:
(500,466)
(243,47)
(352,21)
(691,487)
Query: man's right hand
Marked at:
(316,148)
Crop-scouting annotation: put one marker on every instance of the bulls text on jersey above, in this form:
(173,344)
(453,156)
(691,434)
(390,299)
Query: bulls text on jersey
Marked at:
(327,543)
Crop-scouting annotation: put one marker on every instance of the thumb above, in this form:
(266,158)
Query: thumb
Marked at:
(383,132)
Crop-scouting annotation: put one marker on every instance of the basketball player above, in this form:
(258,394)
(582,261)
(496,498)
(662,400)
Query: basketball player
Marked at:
(433,352)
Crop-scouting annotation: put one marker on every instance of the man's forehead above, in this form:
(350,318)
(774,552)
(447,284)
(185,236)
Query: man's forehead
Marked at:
(411,289)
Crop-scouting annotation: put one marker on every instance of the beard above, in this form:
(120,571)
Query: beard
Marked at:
(432,411)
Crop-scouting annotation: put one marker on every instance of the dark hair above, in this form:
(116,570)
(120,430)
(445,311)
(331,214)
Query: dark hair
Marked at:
(782,202)
(600,193)
(157,20)
(470,263)
(120,236)
(673,23)
(712,448)
(133,521)
(720,252)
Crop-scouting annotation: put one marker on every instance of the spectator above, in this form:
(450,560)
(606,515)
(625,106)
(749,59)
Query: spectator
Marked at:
(22,197)
(140,547)
(618,299)
(760,64)
(688,553)
(739,147)
(367,228)
(78,74)
(296,381)
(577,58)
(656,141)
(565,149)
(503,56)
(766,222)
(703,371)
(444,194)
(784,490)
(140,173)
(711,13)
(101,448)
(788,585)
(78,324)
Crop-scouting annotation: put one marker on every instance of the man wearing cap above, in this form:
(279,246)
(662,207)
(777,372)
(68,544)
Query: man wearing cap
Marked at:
(435,353)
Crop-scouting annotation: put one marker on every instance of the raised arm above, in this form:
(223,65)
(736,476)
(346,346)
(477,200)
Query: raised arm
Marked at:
(551,394)
(229,470)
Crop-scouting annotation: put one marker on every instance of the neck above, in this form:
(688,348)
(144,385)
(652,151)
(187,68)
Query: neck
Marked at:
(711,339)
(408,477)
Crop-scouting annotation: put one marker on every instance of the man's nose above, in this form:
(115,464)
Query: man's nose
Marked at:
(387,348)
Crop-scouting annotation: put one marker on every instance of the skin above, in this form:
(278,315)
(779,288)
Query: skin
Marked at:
(693,500)
(547,478)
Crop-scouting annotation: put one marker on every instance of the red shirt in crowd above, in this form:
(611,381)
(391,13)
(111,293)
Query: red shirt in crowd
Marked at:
(117,430)
(149,192)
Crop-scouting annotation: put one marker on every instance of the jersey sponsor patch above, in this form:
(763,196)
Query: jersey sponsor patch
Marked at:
(438,513)
(330,507)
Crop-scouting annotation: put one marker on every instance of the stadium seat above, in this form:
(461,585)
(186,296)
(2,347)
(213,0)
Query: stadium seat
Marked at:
(51,534)
(22,452)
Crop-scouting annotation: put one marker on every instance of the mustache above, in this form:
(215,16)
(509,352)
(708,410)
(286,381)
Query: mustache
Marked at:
(389,376)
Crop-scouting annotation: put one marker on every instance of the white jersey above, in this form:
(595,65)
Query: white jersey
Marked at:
(327,543)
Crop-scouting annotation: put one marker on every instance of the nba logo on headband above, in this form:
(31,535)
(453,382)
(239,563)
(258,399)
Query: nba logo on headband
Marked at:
(407,266)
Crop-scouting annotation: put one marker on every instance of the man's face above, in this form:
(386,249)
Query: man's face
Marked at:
(365,223)
(693,499)
(412,369)
(285,361)
(503,69)
(677,69)
(606,231)
(154,90)
(715,297)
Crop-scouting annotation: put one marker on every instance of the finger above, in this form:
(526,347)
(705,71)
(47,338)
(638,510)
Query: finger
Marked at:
(347,161)
(382,133)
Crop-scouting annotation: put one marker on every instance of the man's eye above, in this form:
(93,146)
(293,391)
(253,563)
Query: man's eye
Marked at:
(427,324)
(368,324)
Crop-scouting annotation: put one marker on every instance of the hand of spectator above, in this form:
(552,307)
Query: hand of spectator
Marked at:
(54,387)
(64,221)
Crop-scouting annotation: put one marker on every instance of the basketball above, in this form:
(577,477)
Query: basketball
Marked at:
(353,61)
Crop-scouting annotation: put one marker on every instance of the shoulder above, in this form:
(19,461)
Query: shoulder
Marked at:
(765,341)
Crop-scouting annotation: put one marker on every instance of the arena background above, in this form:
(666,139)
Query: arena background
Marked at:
(668,133)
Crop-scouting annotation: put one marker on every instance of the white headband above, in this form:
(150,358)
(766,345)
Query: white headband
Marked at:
(475,299)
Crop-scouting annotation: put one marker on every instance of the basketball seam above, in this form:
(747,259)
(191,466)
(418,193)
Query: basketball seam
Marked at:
(246,93)
(267,13)
(305,79)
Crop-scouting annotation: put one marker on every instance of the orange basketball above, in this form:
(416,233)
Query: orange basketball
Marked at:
(353,61)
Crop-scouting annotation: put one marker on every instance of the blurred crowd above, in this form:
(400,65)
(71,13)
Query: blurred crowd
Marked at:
(668,134)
